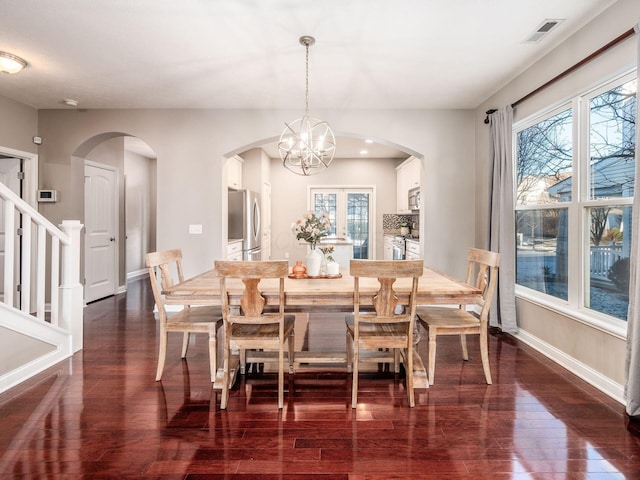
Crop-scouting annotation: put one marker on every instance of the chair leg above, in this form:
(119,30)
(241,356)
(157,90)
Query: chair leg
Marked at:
(349,342)
(396,360)
(162,353)
(185,344)
(432,355)
(409,375)
(463,344)
(242,355)
(281,376)
(354,384)
(213,352)
(484,354)
(292,347)
(226,376)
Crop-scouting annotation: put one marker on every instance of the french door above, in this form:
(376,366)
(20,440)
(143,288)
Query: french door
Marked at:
(351,213)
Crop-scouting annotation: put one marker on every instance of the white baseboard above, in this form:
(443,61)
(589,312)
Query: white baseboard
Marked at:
(586,373)
(137,273)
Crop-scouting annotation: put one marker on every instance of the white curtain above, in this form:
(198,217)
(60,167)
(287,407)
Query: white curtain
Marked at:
(632,366)
(502,226)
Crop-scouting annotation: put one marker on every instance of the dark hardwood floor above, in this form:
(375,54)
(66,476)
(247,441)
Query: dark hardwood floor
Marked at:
(102,415)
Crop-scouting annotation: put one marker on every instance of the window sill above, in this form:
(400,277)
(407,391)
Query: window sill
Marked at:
(614,327)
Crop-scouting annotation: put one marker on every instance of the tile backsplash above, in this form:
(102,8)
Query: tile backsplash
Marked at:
(391,222)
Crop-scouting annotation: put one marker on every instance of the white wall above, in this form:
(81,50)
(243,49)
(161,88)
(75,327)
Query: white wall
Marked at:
(596,355)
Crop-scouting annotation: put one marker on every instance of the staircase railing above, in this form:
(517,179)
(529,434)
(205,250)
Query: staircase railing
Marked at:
(42,262)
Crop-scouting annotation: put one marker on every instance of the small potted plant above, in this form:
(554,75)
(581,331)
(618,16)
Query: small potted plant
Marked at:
(332,267)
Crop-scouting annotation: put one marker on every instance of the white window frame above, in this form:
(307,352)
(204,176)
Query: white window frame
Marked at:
(579,222)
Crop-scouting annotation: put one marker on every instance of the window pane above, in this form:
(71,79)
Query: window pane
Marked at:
(542,250)
(358,223)
(326,203)
(608,268)
(544,156)
(612,123)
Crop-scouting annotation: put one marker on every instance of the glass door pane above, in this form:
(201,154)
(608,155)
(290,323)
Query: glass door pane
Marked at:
(327,202)
(358,223)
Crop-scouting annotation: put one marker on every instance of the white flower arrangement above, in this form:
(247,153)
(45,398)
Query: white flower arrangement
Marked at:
(311,228)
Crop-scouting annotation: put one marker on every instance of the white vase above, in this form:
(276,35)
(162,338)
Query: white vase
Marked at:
(312,261)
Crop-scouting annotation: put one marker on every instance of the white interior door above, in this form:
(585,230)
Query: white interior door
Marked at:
(9,170)
(100,221)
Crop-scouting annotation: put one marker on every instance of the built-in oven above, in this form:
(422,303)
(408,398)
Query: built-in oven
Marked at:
(398,247)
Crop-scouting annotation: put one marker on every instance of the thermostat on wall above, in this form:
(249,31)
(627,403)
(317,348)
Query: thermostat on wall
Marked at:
(47,195)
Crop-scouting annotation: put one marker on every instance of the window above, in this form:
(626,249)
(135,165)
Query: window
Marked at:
(573,238)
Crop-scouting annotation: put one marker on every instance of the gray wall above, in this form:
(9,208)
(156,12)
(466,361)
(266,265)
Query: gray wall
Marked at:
(140,202)
(597,352)
(191,146)
(18,126)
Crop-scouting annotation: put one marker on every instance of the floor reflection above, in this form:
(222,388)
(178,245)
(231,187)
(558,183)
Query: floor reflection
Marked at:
(101,414)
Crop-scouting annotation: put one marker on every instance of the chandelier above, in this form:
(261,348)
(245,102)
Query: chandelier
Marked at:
(307,145)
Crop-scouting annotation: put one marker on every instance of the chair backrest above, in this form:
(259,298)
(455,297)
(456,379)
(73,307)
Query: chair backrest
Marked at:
(482,273)
(166,262)
(385,301)
(252,303)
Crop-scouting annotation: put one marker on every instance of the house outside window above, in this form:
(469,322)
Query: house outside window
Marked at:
(575,171)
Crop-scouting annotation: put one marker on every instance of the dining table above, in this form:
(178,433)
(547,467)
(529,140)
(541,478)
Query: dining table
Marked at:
(324,294)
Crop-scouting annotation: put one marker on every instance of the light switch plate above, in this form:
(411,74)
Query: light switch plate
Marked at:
(195,229)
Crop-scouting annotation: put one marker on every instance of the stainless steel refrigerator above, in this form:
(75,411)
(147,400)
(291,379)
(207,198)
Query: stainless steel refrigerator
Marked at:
(244,222)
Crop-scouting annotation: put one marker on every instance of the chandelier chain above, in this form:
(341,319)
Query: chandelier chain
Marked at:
(306,92)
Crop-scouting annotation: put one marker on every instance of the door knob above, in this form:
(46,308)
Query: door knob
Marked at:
(112,239)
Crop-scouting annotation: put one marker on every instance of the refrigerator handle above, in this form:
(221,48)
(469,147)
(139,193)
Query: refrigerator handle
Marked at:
(256,220)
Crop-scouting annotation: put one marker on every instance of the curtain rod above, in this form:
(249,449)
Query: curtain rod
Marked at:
(613,42)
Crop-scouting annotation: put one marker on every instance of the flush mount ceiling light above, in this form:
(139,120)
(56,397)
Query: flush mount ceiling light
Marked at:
(70,102)
(307,145)
(10,63)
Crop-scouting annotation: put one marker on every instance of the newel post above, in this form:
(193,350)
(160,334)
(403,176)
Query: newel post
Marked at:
(71,290)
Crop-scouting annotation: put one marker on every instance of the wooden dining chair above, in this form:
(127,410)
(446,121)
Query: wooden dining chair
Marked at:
(191,319)
(383,328)
(251,326)
(482,273)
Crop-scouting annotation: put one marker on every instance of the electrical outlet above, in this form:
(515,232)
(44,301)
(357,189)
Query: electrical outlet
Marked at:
(195,229)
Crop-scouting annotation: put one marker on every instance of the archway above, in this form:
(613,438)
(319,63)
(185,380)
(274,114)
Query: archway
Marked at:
(290,192)
(133,209)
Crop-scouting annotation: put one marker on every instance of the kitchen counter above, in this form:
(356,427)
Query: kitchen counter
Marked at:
(343,249)
(336,241)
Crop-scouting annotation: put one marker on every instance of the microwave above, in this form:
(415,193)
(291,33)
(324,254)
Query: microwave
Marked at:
(414,199)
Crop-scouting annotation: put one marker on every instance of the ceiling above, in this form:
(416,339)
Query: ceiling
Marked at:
(244,54)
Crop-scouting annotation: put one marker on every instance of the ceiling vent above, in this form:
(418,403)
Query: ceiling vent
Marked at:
(542,31)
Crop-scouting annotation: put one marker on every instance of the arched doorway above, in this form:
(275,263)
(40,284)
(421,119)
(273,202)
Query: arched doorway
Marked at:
(119,210)
(350,169)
